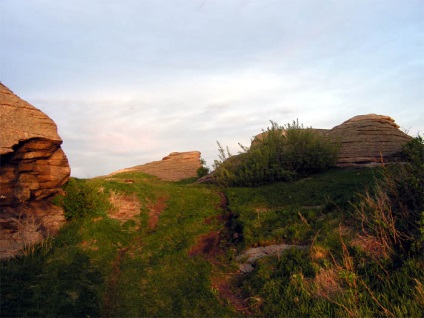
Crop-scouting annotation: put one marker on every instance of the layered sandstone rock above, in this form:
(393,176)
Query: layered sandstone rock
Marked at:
(176,166)
(368,140)
(33,168)
(365,140)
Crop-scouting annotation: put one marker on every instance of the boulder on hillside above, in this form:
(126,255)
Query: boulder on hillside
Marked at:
(176,166)
(33,168)
(368,140)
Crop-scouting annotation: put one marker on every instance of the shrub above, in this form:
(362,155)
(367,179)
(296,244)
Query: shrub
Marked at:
(82,199)
(282,153)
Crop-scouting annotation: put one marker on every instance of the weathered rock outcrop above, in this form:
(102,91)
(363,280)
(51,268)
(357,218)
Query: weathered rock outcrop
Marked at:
(176,166)
(368,140)
(365,140)
(33,168)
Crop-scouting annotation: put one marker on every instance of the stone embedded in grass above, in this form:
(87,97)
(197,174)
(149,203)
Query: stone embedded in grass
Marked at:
(249,257)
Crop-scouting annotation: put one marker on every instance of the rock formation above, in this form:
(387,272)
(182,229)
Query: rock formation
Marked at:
(33,168)
(365,140)
(368,140)
(176,166)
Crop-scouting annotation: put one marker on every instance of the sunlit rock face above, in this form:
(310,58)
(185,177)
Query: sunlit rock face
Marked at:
(368,140)
(33,168)
(176,166)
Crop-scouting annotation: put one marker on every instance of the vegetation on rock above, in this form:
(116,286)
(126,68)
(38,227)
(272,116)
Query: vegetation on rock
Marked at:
(284,153)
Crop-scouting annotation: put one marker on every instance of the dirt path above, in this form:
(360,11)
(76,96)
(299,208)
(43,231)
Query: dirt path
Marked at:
(125,207)
(212,247)
(155,209)
(111,296)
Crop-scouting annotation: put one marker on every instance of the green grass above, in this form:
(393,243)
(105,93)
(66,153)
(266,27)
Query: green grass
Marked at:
(333,277)
(293,212)
(98,266)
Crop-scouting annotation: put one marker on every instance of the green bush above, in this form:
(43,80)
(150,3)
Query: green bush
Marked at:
(82,198)
(203,170)
(282,153)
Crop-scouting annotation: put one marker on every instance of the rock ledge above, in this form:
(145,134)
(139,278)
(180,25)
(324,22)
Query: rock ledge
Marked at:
(176,166)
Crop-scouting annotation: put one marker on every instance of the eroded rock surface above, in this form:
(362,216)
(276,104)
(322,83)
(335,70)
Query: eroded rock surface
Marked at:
(33,168)
(368,140)
(176,166)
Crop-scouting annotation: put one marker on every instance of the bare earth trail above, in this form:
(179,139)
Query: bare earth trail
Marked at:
(155,209)
(209,246)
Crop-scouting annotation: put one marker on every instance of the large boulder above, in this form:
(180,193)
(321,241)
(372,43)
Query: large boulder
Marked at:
(176,166)
(33,168)
(368,140)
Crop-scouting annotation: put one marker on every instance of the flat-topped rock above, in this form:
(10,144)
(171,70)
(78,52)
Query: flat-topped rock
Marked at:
(176,166)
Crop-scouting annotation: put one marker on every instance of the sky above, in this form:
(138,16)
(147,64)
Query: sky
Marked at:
(130,81)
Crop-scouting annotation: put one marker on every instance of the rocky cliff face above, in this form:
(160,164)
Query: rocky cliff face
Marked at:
(33,168)
(176,166)
(368,140)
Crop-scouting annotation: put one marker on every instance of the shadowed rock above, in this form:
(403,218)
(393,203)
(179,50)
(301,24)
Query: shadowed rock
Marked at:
(33,168)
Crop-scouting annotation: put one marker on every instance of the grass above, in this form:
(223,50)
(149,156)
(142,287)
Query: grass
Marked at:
(100,266)
(334,276)
(293,212)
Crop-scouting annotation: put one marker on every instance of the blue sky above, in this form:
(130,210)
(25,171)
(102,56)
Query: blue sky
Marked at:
(129,81)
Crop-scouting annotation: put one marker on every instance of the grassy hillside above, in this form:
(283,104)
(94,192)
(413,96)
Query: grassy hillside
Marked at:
(130,266)
(138,246)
